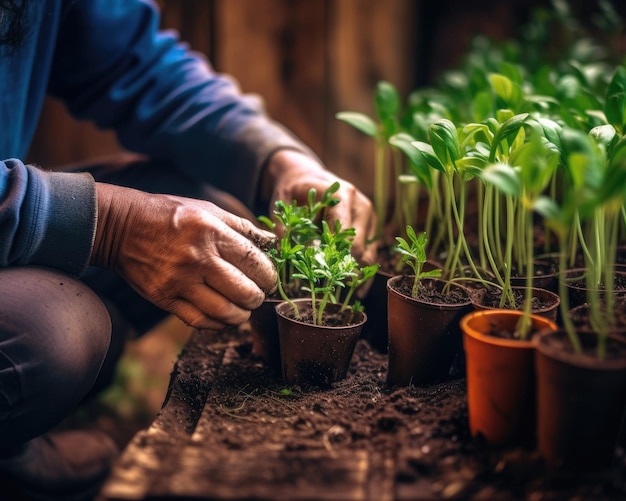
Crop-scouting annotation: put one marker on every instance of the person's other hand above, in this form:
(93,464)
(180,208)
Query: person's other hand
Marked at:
(187,256)
(290,175)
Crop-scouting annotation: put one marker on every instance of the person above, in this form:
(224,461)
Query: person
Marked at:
(85,252)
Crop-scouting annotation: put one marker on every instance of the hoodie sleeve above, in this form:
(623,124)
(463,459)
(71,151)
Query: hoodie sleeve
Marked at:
(46,218)
(115,67)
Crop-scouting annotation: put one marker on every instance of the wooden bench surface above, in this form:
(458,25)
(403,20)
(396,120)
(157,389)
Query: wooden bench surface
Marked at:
(230,430)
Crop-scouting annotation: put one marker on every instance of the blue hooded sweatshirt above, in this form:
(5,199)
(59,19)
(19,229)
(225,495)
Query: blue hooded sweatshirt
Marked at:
(109,63)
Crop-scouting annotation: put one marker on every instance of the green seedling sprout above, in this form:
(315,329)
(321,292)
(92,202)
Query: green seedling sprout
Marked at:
(522,180)
(592,207)
(328,268)
(314,258)
(413,253)
(381,129)
(300,228)
(449,153)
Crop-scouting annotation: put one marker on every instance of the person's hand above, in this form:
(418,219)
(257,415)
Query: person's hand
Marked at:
(290,175)
(187,256)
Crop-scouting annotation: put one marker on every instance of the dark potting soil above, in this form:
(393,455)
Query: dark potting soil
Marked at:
(541,268)
(331,317)
(581,317)
(501,333)
(230,429)
(491,296)
(428,292)
(579,281)
(615,349)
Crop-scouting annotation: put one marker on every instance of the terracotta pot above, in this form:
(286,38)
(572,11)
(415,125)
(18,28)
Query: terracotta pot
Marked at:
(375,304)
(580,402)
(424,337)
(500,376)
(550,311)
(315,355)
(264,334)
(577,288)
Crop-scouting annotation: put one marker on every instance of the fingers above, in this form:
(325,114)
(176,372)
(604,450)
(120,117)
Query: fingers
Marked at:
(365,247)
(203,307)
(262,239)
(240,269)
(189,257)
(355,211)
(215,302)
(234,282)
(194,317)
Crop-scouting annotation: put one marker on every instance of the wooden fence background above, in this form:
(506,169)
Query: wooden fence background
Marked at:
(309,59)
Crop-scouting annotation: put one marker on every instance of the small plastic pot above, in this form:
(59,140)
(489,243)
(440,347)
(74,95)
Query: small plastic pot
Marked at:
(500,376)
(315,355)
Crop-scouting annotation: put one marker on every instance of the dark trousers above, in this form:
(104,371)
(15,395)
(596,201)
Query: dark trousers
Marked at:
(60,337)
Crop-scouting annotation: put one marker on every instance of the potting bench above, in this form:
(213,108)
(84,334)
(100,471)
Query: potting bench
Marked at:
(388,444)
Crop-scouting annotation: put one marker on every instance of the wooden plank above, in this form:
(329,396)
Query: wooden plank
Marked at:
(61,139)
(178,456)
(359,440)
(156,452)
(275,48)
(368,41)
(267,475)
(192,19)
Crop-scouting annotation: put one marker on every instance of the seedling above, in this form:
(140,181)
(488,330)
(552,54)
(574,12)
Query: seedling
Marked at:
(300,228)
(413,253)
(315,259)
(381,128)
(530,165)
(328,269)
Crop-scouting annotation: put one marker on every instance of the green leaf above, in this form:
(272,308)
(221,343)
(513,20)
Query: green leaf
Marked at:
(444,140)
(615,105)
(507,131)
(512,72)
(613,186)
(359,121)
(547,207)
(267,222)
(482,106)
(387,101)
(419,167)
(618,151)
(431,273)
(537,161)
(578,155)
(470,166)
(546,128)
(504,177)
(429,155)
(476,131)
(506,89)
(604,134)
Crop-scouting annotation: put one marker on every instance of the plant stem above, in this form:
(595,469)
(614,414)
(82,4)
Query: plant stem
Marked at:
(322,307)
(524,324)
(489,216)
(568,325)
(380,185)
(398,171)
(283,295)
(507,292)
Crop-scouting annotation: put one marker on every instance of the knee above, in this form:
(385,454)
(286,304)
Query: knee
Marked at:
(54,331)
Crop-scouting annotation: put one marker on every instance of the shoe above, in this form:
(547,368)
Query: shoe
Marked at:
(65,465)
